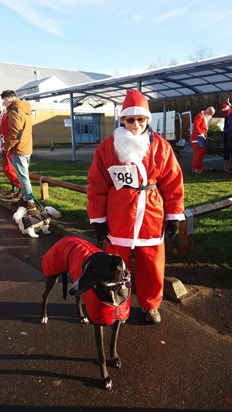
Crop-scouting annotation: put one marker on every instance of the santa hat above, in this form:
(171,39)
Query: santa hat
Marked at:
(226,109)
(135,104)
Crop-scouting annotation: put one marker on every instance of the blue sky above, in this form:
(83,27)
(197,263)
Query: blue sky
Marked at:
(114,37)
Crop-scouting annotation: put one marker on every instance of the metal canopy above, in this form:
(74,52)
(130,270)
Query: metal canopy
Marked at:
(191,79)
(203,77)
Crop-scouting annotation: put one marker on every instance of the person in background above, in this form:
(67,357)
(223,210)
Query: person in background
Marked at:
(227,144)
(7,166)
(20,143)
(135,197)
(198,138)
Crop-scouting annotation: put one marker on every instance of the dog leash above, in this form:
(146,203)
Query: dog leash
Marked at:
(111,244)
(101,242)
(41,206)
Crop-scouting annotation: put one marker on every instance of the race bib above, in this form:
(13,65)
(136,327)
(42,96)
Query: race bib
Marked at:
(124,175)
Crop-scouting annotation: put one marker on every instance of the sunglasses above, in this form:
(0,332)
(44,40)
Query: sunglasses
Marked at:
(131,120)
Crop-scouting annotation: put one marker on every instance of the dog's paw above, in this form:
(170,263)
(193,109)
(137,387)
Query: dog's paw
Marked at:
(44,320)
(30,231)
(34,236)
(84,320)
(117,363)
(47,232)
(107,383)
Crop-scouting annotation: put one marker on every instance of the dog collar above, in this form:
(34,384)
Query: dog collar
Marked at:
(124,284)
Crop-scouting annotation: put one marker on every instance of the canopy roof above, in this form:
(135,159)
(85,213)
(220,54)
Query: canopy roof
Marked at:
(190,79)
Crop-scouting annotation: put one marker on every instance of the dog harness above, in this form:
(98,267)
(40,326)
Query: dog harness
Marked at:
(40,219)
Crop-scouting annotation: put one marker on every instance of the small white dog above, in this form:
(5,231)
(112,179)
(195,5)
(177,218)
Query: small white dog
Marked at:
(31,224)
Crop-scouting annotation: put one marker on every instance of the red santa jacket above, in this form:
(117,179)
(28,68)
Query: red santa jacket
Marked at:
(199,127)
(120,206)
(4,127)
(69,254)
(226,111)
(7,166)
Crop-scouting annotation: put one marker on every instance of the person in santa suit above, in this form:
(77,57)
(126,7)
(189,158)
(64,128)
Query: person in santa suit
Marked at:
(198,138)
(227,144)
(135,197)
(7,166)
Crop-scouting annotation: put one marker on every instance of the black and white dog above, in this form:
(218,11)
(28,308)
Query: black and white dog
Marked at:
(32,224)
(101,280)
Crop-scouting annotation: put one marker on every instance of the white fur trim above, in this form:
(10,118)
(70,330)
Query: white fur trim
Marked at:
(120,241)
(224,109)
(176,216)
(136,111)
(128,147)
(97,220)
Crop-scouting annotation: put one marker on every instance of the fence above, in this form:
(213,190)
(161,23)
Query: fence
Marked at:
(186,227)
(45,180)
(185,241)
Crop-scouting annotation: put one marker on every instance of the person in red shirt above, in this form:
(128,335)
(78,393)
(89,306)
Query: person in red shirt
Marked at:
(227,144)
(198,137)
(7,166)
(135,197)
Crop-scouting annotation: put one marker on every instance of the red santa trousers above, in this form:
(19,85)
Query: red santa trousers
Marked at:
(9,170)
(198,155)
(149,272)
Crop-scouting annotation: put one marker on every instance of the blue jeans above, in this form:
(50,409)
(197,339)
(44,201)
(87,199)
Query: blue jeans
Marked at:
(21,165)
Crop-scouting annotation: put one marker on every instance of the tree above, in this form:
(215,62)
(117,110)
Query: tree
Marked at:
(201,53)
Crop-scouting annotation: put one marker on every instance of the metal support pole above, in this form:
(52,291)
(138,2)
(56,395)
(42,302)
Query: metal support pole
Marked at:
(164,117)
(74,155)
(116,115)
(139,86)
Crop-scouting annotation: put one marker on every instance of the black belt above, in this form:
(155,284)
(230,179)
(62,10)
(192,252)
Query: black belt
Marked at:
(141,187)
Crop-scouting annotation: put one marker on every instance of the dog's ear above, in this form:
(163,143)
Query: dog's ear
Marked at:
(117,262)
(99,267)
(90,274)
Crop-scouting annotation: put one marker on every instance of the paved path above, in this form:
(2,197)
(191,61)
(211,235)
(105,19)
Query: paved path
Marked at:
(181,364)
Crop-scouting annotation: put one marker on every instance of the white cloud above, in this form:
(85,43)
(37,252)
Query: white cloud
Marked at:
(30,13)
(36,12)
(171,14)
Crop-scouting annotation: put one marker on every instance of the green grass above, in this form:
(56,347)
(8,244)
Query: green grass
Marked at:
(72,205)
(212,233)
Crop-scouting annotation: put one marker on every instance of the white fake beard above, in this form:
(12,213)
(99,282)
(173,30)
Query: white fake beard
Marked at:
(130,148)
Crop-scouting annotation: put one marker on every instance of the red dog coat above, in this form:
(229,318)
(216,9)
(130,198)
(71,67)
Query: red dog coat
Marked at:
(69,254)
